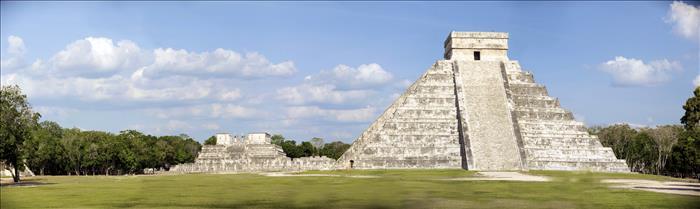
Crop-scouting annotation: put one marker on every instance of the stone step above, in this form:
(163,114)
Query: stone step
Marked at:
(528,89)
(434,89)
(520,77)
(536,102)
(552,132)
(619,166)
(544,115)
(419,127)
(549,134)
(534,127)
(430,101)
(579,159)
(525,96)
(560,141)
(416,152)
(446,77)
(563,153)
(425,113)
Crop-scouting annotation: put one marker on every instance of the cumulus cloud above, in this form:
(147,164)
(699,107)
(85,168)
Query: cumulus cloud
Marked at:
(16,45)
(696,81)
(342,84)
(100,69)
(341,115)
(634,72)
(15,54)
(685,19)
(98,56)
(346,77)
(325,93)
(215,110)
(220,62)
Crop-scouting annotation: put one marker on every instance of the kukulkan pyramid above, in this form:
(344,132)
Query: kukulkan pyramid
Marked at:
(478,110)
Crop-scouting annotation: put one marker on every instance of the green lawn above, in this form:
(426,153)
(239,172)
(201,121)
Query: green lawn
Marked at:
(393,189)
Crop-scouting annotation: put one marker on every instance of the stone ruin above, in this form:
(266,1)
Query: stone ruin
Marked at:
(252,153)
(475,110)
(478,110)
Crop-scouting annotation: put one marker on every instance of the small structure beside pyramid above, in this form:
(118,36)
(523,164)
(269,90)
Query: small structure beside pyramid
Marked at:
(478,110)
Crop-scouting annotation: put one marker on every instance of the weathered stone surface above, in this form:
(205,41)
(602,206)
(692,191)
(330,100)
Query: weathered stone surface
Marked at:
(255,153)
(484,114)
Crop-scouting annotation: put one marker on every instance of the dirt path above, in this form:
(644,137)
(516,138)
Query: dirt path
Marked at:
(670,187)
(503,176)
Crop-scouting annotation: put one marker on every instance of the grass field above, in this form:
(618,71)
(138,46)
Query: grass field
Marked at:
(391,189)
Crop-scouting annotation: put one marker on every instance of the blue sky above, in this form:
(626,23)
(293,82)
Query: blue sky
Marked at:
(328,69)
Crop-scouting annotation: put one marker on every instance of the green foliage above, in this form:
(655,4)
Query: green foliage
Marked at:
(314,147)
(17,120)
(210,141)
(334,149)
(277,139)
(691,118)
(56,151)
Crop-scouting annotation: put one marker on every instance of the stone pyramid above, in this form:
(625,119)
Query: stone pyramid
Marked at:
(478,110)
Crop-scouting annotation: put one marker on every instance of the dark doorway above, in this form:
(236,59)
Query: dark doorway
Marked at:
(477,55)
(352,162)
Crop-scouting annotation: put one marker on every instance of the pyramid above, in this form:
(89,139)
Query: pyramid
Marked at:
(478,110)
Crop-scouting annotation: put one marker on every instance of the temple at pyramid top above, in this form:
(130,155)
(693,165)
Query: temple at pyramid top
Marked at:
(473,46)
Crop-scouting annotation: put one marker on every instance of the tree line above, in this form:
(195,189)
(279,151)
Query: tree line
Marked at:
(53,150)
(672,150)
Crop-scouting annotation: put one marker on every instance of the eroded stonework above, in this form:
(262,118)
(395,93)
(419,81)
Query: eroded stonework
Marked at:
(253,153)
(478,110)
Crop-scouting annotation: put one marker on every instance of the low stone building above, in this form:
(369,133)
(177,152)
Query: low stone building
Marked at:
(252,153)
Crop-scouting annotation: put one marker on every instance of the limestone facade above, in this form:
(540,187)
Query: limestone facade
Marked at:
(252,153)
(478,110)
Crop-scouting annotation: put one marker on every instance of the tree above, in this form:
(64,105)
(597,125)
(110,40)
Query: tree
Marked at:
(318,144)
(43,150)
(17,120)
(210,141)
(691,118)
(277,139)
(617,137)
(665,138)
(334,149)
(307,149)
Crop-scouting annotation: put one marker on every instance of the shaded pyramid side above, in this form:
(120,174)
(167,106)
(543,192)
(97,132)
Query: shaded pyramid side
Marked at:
(419,130)
(552,139)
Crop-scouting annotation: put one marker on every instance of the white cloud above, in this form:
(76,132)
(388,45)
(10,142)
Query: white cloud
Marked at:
(14,58)
(55,111)
(16,46)
(325,93)
(685,19)
(220,62)
(634,72)
(346,77)
(98,56)
(342,84)
(209,111)
(696,81)
(340,115)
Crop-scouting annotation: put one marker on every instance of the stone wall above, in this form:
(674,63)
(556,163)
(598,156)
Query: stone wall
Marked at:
(250,156)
